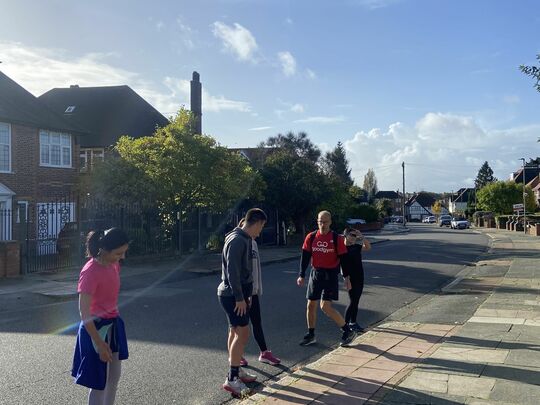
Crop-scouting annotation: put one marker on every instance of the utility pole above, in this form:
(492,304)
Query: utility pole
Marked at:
(524,199)
(403,201)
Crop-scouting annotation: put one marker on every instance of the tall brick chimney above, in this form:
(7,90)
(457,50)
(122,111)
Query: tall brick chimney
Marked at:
(196,102)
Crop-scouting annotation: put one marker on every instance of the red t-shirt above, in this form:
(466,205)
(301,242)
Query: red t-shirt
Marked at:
(323,251)
(103,284)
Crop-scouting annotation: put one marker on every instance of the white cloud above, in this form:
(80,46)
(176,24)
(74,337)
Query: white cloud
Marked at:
(288,63)
(320,120)
(186,33)
(374,4)
(58,70)
(236,39)
(511,99)
(311,74)
(180,88)
(259,129)
(442,152)
(297,108)
(160,25)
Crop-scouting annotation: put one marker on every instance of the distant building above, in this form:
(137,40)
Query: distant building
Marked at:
(459,201)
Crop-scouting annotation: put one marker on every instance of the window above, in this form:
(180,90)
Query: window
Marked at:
(5,147)
(89,157)
(22,212)
(70,109)
(54,149)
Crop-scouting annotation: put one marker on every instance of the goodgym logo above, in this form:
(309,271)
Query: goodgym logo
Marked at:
(322,247)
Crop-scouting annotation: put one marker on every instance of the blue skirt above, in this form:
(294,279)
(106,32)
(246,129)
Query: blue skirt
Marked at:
(88,369)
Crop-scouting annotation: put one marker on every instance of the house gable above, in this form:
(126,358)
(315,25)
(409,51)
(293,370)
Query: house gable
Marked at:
(106,112)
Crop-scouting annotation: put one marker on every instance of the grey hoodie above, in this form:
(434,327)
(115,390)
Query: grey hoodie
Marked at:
(236,266)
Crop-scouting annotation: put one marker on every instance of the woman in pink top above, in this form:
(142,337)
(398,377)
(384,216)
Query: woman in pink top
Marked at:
(101,339)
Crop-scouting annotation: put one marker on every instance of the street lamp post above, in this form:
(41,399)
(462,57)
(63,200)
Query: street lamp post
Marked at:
(524,199)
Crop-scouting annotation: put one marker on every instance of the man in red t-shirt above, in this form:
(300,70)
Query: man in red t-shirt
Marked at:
(323,248)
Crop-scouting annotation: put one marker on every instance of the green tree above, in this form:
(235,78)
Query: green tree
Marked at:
(499,197)
(484,176)
(296,144)
(189,170)
(370,184)
(384,206)
(295,186)
(118,182)
(532,71)
(335,164)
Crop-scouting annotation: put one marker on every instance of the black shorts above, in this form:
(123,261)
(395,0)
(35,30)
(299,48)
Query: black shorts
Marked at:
(228,304)
(323,283)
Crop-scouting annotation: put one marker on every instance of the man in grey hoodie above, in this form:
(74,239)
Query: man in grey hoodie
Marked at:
(234,293)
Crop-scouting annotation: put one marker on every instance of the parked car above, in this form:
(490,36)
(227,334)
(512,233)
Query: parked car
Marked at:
(459,223)
(398,219)
(445,220)
(429,220)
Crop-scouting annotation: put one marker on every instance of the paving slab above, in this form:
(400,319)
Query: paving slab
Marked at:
(467,386)
(511,391)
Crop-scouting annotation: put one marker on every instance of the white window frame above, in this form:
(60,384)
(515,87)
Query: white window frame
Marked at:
(10,148)
(64,139)
(90,156)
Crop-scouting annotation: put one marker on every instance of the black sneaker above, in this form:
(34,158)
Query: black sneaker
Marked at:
(308,339)
(347,337)
(357,328)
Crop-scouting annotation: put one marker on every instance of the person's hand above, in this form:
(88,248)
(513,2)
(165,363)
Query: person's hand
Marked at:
(348,284)
(300,281)
(241,308)
(104,350)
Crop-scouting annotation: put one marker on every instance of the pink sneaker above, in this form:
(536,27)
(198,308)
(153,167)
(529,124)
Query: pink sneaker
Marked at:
(243,362)
(269,358)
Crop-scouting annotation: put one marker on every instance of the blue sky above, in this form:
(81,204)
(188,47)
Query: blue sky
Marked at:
(432,83)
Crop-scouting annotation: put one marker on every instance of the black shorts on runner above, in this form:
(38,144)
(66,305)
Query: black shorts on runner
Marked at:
(323,283)
(228,304)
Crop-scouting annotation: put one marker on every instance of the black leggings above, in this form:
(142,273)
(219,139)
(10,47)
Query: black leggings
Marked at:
(256,322)
(354,295)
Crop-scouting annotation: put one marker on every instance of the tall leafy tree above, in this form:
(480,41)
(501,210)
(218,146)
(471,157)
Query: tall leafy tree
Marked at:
(499,197)
(295,186)
(370,184)
(335,164)
(189,170)
(296,144)
(484,176)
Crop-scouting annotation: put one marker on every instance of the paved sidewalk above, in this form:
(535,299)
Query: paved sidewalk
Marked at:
(493,358)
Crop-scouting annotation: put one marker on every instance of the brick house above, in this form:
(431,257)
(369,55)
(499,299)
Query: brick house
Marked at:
(38,154)
(106,113)
(395,199)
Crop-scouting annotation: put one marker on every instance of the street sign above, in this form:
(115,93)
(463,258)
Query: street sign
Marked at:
(517,207)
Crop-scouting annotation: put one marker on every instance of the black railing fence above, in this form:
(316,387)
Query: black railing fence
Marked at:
(52,234)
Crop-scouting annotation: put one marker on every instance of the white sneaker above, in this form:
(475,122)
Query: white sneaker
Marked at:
(236,387)
(245,376)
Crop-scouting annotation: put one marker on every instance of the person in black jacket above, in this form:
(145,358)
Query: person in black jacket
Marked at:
(353,273)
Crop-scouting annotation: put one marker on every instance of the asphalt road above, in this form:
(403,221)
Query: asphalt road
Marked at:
(177,331)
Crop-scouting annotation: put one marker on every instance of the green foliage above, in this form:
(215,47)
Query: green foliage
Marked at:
(294,144)
(370,184)
(338,200)
(384,207)
(484,177)
(188,170)
(499,197)
(118,182)
(336,165)
(367,212)
(532,71)
(295,186)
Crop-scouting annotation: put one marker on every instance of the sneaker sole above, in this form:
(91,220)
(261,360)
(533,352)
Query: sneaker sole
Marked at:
(270,362)
(235,393)
(308,343)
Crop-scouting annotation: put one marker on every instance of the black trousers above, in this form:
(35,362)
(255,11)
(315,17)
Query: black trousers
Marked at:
(256,322)
(354,298)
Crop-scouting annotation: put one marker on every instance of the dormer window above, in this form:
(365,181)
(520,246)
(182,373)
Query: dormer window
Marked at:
(70,109)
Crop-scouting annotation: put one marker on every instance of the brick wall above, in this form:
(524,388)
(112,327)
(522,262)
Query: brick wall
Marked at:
(10,265)
(30,181)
